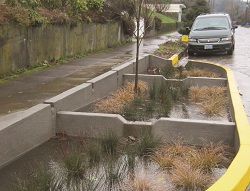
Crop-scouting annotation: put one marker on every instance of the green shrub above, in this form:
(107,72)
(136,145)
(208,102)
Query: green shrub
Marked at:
(109,142)
(158,23)
(73,163)
(95,5)
(51,4)
(128,25)
(147,142)
(77,7)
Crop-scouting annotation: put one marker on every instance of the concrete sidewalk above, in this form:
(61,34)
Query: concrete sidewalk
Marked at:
(32,89)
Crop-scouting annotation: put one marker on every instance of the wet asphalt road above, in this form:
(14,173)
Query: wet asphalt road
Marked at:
(239,62)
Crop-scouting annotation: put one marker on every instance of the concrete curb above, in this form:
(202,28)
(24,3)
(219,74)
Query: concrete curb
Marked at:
(237,176)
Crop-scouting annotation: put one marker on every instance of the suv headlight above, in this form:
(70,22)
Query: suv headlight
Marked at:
(191,40)
(226,39)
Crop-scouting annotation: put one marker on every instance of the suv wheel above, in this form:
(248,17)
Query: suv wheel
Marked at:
(190,53)
(230,52)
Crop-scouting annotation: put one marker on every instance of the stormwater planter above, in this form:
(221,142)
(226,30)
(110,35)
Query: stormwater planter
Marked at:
(68,120)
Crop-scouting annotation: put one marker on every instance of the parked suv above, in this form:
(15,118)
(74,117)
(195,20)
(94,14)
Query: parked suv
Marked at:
(212,33)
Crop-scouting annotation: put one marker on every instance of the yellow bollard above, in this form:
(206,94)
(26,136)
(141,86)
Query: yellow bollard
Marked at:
(184,38)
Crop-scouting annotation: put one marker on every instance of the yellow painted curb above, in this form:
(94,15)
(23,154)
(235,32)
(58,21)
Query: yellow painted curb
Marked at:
(237,176)
(184,38)
(174,59)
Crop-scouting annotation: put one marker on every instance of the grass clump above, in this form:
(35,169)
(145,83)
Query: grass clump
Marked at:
(196,72)
(190,167)
(94,152)
(140,183)
(213,100)
(74,165)
(211,155)
(147,143)
(115,173)
(109,142)
(118,100)
(184,177)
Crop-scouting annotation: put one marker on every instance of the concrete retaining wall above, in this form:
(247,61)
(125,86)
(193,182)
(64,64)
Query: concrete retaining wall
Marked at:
(127,68)
(168,129)
(73,98)
(89,124)
(25,47)
(194,131)
(190,81)
(22,131)
(104,84)
(155,61)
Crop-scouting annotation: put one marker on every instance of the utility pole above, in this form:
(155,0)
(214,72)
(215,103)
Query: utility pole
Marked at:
(246,13)
(212,2)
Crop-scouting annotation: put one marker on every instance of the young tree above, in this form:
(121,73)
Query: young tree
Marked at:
(142,9)
(136,10)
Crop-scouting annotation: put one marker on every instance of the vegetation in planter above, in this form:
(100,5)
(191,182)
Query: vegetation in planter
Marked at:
(74,164)
(109,142)
(211,156)
(94,152)
(170,72)
(196,72)
(155,102)
(164,100)
(189,167)
(147,143)
(115,102)
(174,165)
(212,100)
(169,48)
(184,177)
(115,173)
(42,179)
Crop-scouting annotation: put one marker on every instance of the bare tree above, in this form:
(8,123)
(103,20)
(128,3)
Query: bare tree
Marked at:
(162,5)
(142,10)
(137,10)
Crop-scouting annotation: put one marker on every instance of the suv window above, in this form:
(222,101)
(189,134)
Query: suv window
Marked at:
(211,23)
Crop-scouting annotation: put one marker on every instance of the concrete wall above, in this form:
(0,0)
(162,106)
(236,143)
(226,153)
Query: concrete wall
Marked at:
(193,131)
(23,131)
(190,81)
(168,129)
(24,47)
(104,84)
(89,124)
(73,98)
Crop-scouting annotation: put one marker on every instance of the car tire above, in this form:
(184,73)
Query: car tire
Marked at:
(230,52)
(190,53)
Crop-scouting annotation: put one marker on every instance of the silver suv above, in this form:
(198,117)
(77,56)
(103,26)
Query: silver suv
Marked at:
(212,33)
